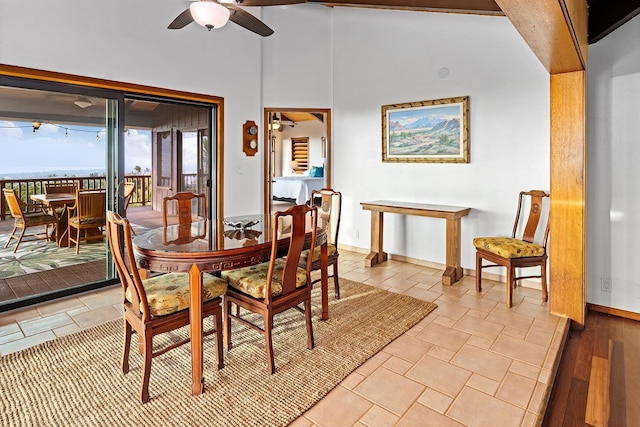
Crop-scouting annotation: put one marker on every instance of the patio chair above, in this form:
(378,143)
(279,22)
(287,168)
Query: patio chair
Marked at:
(159,304)
(129,187)
(87,217)
(24,219)
(328,217)
(274,286)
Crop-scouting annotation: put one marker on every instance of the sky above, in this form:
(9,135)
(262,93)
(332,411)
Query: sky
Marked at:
(50,149)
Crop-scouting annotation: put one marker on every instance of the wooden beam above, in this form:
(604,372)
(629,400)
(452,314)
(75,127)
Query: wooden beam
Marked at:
(567,242)
(479,7)
(552,29)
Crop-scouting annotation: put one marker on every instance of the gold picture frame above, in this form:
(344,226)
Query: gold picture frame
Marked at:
(434,131)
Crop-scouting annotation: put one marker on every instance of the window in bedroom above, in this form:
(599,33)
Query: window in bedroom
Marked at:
(300,154)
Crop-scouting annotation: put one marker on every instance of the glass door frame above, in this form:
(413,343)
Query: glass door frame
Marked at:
(115,93)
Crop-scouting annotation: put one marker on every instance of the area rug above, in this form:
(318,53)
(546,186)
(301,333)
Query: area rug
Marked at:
(39,255)
(76,380)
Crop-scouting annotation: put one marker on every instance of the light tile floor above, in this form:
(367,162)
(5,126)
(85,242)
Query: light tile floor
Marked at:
(470,362)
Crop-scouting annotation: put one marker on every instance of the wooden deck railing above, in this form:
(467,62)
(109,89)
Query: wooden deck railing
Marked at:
(26,187)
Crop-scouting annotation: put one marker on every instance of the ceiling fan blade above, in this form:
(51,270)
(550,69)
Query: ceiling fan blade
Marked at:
(269,2)
(181,20)
(248,21)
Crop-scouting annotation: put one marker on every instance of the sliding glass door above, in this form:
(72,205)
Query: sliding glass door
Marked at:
(133,149)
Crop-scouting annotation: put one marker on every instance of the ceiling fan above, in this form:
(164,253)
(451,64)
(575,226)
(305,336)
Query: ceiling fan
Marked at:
(215,14)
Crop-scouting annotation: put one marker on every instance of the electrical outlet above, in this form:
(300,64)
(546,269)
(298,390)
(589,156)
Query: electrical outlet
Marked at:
(356,234)
(605,284)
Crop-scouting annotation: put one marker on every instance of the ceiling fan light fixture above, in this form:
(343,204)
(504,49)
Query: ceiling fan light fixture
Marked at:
(209,14)
(83,102)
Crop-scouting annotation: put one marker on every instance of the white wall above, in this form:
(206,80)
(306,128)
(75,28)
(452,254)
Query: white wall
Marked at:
(613,82)
(387,57)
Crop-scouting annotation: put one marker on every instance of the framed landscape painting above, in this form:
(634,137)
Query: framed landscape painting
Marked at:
(435,131)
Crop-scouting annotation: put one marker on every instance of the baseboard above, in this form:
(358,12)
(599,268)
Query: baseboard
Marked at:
(533,284)
(614,311)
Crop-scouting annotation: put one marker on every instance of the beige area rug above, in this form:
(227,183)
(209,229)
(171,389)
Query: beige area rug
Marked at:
(76,379)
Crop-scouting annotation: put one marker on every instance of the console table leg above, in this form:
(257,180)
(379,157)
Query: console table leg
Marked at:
(376,256)
(453,271)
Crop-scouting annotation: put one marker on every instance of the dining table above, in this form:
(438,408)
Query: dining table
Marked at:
(57,204)
(214,246)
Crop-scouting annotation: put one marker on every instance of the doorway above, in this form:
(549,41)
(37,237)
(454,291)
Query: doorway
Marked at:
(297,155)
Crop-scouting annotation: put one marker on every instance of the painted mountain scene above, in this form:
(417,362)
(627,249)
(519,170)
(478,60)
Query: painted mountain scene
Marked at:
(425,131)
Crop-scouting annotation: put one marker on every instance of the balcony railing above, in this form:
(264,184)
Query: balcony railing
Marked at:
(27,187)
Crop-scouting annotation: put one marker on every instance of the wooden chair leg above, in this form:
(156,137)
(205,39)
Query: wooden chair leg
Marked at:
(268,326)
(78,242)
(146,372)
(126,347)
(510,276)
(19,239)
(543,279)
(478,272)
(11,236)
(307,315)
(227,324)
(218,322)
(336,284)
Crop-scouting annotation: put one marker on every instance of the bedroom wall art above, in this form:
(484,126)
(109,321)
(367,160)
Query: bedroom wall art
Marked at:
(434,131)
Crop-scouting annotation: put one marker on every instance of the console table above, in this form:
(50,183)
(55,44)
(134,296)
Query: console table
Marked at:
(452,215)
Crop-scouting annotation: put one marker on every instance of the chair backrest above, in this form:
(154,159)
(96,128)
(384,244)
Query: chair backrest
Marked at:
(298,217)
(89,204)
(120,244)
(15,204)
(60,188)
(185,206)
(129,186)
(538,214)
(329,211)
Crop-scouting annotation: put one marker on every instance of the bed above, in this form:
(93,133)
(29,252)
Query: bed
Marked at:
(296,187)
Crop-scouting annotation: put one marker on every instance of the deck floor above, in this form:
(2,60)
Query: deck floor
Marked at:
(43,282)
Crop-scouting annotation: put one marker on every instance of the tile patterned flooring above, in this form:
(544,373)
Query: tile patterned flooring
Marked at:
(471,362)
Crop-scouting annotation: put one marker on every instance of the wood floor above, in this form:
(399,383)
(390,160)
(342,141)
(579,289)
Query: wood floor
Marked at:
(598,380)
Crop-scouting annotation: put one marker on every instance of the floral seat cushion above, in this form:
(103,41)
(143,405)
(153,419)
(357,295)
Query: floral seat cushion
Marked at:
(331,250)
(253,280)
(508,247)
(169,293)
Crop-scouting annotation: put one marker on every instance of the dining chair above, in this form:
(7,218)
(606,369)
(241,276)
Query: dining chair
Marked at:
(329,212)
(523,249)
(158,304)
(86,217)
(185,206)
(275,286)
(26,215)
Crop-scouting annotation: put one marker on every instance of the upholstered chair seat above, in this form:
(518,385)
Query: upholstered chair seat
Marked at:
(508,247)
(253,280)
(331,250)
(169,293)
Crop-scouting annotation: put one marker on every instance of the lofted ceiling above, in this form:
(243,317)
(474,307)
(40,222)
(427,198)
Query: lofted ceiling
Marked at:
(604,15)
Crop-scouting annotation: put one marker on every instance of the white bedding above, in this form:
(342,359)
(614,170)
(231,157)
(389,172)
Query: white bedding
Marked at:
(298,187)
